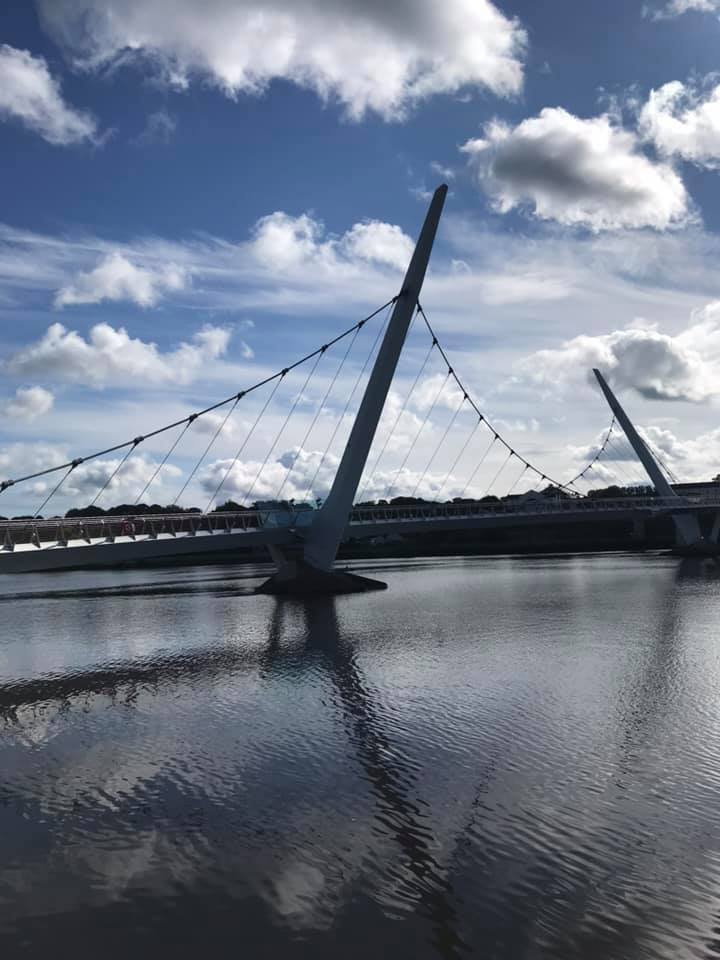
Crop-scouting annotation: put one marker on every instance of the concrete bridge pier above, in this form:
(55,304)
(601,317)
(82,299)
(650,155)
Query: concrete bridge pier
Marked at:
(312,573)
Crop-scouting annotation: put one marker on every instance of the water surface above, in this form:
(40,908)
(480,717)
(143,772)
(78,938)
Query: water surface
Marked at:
(497,758)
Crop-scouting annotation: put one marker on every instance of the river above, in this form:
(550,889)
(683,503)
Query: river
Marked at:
(497,757)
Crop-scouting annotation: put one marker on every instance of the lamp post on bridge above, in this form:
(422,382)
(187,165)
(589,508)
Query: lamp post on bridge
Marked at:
(313,572)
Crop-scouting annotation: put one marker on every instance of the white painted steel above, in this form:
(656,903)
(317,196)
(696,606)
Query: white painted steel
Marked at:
(324,537)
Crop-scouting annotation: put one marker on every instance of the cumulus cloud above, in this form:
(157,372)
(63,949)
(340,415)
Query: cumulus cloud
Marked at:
(117,278)
(438,390)
(683,121)
(28,404)
(21,458)
(578,172)
(284,242)
(125,485)
(657,365)
(368,56)
(246,476)
(212,423)
(378,242)
(85,481)
(111,356)
(306,482)
(30,94)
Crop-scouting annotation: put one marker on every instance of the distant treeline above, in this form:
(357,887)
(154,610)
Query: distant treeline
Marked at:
(230,506)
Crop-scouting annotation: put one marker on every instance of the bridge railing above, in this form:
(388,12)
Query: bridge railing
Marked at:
(95,530)
(430,511)
(108,529)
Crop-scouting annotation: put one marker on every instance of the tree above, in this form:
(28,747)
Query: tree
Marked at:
(230,506)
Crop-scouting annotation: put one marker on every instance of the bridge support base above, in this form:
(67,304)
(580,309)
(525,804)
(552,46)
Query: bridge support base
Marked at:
(300,579)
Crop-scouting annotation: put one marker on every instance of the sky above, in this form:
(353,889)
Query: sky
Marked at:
(192,196)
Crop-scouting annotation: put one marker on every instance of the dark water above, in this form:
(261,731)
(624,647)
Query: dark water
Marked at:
(496,758)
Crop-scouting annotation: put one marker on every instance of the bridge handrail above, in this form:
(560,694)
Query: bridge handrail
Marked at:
(61,529)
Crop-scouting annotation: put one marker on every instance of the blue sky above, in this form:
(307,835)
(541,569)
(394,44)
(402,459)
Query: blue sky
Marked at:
(245,179)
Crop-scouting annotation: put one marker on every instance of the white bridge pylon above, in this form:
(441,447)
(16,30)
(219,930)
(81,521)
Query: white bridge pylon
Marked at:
(312,571)
(687,526)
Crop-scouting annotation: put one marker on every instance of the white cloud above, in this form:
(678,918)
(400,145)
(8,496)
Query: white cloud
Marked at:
(28,404)
(283,242)
(657,365)
(579,172)
(30,94)
(680,120)
(368,56)
(112,356)
(242,475)
(124,486)
(447,173)
(378,242)
(159,128)
(515,294)
(675,8)
(17,459)
(303,485)
(695,459)
(116,278)
(438,389)
(210,423)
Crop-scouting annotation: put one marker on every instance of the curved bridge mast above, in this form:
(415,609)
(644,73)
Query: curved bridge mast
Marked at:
(687,527)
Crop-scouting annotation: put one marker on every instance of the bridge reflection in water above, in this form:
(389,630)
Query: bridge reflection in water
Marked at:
(525,761)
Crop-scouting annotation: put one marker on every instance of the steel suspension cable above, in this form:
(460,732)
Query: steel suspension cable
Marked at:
(282,428)
(440,443)
(216,434)
(304,440)
(245,442)
(390,435)
(417,435)
(457,459)
(597,456)
(6,484)
(518,479)
(117,470)
(506,461)
(621,459)
(592,468)
(480,463)
(52,493)
(321,407)
(348,402)
(538,472)
(656,453)
(164,461)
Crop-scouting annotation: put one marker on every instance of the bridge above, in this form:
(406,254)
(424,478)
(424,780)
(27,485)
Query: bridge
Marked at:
(302,537)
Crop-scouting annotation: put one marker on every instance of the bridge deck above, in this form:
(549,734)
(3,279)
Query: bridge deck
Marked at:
(35,545)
